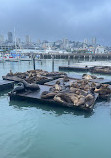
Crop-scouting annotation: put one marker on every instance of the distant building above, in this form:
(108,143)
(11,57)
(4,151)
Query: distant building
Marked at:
(28,40)
(38,42)
(100,49)
(65,43)
(94,41)
(10,37)
(1,38)
(86,41)
(18,41)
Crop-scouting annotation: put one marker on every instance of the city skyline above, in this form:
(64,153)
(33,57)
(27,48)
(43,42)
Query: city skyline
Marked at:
(28,38)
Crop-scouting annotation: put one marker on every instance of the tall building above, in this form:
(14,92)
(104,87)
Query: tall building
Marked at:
(10,37)
(1,38)
(65,43)
(93,41)
(18,41)
(28,40)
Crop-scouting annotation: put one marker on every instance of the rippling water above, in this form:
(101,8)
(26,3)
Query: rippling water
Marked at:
(39,131)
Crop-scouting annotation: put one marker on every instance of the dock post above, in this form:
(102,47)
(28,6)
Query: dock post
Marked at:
(33,61)
(68,60)
(84,57)
(52,63)
(78,59)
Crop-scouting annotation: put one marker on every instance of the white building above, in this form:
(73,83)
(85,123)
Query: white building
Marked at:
(100,49)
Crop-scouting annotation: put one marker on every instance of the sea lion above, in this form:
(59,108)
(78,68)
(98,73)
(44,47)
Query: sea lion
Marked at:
(57,87)
(89,100)
(62,97)
(58,99)
(31,71)
(86,87)
(29,86)
(10,73)
(104,91)
(72,89)
(30,79)
(58,82)
(86,76)
(74,85)
(65,79)
(74,99)
(77,99)
(20,88)
(47,95)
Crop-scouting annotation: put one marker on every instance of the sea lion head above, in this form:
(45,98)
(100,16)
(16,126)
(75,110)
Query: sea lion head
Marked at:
(58,82)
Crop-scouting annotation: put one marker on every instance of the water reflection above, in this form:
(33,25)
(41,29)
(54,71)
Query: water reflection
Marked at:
(58,111)
(5,92)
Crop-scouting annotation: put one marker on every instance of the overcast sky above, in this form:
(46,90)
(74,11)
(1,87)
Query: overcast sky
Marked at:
(57,19)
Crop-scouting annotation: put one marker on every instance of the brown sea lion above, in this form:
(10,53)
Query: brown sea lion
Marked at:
(57,87)
(58,82)
(47,95)
(63,97)
(10,73)
(89,100)
(104,91)
(86,76)
(58,99)
(65,79)
(77,99)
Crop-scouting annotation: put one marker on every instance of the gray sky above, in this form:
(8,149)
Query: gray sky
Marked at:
(56,19)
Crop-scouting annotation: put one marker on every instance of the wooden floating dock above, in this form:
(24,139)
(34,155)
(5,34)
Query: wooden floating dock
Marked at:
(35,97)
(77,68)
(5,85)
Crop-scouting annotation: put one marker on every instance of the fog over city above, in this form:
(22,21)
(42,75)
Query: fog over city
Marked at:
(53,20)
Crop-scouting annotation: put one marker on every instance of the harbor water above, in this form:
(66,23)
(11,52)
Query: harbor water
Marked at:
(32,130)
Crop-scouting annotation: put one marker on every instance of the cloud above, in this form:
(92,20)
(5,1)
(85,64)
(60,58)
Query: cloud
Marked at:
(47,19)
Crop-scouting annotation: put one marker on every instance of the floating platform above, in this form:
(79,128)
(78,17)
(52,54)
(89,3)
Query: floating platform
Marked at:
(75,68)
(5,85)
(91,69)
(36,98)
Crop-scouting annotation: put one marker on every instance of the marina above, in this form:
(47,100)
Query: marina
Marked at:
(28,117)
(55,79)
